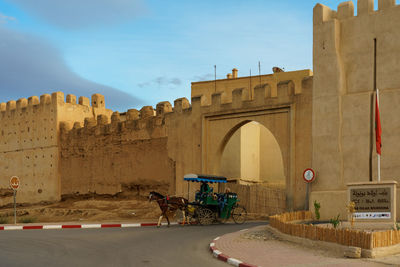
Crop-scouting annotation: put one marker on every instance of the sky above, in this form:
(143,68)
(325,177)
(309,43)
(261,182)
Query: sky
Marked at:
(139,52)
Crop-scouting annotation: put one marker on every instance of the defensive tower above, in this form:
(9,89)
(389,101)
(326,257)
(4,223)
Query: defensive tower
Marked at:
(353,55)
(30,145)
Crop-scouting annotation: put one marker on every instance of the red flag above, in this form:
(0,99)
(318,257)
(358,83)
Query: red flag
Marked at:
(378,129)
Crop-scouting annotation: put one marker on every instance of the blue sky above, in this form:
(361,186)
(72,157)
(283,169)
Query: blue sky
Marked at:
(139,52)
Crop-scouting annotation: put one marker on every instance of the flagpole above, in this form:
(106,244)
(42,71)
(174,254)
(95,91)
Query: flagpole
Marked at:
(379,156)
(379,168)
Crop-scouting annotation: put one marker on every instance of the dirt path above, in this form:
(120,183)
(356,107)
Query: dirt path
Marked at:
(93,208)
(85,209)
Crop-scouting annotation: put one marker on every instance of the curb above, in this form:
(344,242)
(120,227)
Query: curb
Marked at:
(232,261)
(79,226)
(365,253)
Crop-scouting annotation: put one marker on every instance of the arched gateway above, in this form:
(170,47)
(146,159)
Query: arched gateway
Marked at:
(250,142)
(250,154)
(280,105)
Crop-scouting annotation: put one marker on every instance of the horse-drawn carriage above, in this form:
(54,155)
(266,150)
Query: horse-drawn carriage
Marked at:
(207,207)
(210,206)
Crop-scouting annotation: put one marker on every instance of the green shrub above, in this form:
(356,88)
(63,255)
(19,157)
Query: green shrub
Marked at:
(27,220)
(335,221)
(317,206)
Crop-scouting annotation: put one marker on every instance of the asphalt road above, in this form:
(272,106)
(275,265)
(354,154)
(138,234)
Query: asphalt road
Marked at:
(145,246)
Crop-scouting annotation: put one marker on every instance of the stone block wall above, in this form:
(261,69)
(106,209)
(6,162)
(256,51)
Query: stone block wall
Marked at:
(105,157)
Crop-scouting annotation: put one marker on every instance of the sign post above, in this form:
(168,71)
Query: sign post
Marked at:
(14,184)
(309,177)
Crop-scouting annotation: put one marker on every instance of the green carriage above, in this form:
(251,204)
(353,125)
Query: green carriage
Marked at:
(209,206)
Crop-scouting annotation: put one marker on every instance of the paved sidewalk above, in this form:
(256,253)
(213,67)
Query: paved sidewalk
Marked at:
(258,247)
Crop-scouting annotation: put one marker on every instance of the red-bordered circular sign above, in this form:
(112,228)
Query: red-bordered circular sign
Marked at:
(309,175)
(14,182)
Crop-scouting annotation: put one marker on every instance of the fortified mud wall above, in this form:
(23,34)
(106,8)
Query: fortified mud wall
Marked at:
(29,148)
(29,143)
(108,157)
(352,53)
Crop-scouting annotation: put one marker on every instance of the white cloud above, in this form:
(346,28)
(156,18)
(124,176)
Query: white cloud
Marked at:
(5,19)
(161,82)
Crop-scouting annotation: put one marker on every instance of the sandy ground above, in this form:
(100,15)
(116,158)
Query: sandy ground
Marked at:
(84,209)
(93,209)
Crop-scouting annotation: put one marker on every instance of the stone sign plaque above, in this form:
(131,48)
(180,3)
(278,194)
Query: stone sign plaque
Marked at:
(371,203)
(374,201)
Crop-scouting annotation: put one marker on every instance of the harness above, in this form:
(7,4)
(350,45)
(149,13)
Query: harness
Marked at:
(166,199)
(165,202)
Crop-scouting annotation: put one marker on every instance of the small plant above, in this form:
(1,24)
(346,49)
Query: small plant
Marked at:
(397,226)
(317,206)
(27,220)
(335,221)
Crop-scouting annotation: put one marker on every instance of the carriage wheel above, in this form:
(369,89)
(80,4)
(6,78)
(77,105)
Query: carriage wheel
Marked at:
(239,214)
(205,216)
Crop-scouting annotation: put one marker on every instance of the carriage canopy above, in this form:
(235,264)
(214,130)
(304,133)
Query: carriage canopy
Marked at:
(204,178)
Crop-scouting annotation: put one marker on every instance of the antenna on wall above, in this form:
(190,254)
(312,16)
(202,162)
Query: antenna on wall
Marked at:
(250,86)
(259,71)
(215,78)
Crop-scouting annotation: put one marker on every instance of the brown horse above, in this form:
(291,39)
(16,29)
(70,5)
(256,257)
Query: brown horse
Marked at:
(169,204)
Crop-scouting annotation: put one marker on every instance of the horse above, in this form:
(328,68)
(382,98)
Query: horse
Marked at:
(169,204)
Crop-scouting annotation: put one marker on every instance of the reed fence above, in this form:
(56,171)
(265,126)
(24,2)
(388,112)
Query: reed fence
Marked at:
(259,199)
(347,237)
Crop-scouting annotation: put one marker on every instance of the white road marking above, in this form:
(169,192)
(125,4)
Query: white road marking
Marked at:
(12,227)
(52,226)
(130,225)
(91,226)
(216,253)
(234,262)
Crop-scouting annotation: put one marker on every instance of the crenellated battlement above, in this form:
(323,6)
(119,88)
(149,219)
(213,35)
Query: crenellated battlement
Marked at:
(56,98)
(24,103)
(345,10)
(249,83)
(143,124)
(263,94)
(148,122)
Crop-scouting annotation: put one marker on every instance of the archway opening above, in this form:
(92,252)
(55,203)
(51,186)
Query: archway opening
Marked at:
(251,154)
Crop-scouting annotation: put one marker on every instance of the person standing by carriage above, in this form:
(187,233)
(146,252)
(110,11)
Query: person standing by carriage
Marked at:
(205,188)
